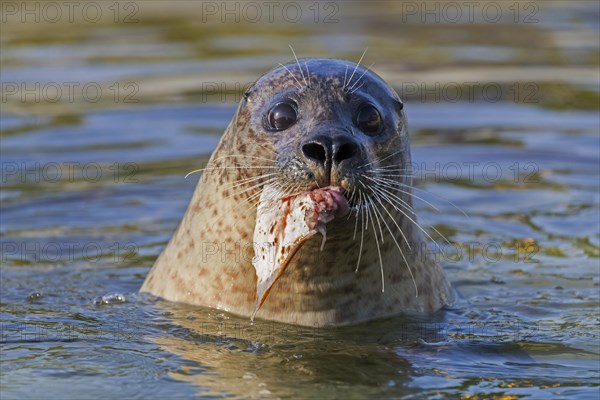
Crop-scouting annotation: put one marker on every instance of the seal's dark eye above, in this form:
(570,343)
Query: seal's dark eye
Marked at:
(368,119)
(282,116)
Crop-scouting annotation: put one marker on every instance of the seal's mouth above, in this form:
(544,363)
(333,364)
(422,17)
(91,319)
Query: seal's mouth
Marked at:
(332,197)
(330,202)
(353,201)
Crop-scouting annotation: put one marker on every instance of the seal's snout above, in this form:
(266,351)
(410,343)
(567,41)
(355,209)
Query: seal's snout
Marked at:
(325,150)
(328,156)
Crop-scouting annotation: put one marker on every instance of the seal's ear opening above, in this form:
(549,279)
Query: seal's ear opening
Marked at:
(248,93)
(399,105)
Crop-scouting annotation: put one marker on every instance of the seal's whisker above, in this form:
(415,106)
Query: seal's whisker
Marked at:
(253,187)
(391,168)
(440,235)
(413,212)
(246,202)
(194,171)
(368,208)
(225,168)
(289,188)
(396,188)
(390,173)
(245,156)
(244,167)
(307,74)
(363,206)
(393,175)
(235,170)
(361,85)
(385,177)
(299,66)
(299,188)
(249,204)
(356,217)
(438,197)
(421,228)
(378,222)
(213,168)
(250,180)
(396,241)
(350,201)
(345,75)
(394,185)
(359,78)
(381,160)
(397,198)
(273,179)
(253,177)
(293,76)
(256,187)
(397,201)
(378,196)
(254,199)
(376,216)
(236,156)
(282,187)
(355,68)
(386,167)
(362,233)
(277,183)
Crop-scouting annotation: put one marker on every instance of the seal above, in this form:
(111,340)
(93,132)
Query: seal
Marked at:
(309,129)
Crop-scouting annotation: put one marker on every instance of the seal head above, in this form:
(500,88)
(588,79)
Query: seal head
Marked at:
(308,125)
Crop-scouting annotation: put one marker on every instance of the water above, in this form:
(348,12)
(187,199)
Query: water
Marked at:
(92,190)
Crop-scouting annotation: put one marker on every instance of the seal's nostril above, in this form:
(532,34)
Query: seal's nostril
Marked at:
(345,151)
(315,152)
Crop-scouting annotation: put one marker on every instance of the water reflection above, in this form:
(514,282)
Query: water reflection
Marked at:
(527,94)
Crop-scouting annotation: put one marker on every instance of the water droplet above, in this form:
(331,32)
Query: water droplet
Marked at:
(110,298)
